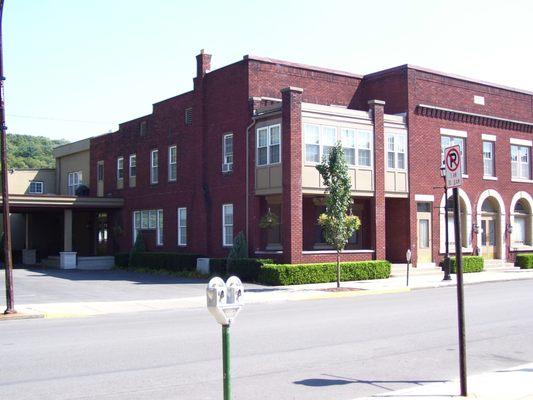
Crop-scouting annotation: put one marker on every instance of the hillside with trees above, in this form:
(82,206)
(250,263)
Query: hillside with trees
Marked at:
(25,151)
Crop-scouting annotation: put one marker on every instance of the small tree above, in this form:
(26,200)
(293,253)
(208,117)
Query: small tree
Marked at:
(338,222)
(238,250)
(138,247)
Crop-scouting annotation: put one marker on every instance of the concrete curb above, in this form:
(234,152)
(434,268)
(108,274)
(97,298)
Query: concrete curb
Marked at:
(8,317)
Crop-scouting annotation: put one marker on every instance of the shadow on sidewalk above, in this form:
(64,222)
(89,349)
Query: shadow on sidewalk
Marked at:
(381,384)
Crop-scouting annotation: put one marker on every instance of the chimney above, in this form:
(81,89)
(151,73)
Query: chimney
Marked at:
(203,64)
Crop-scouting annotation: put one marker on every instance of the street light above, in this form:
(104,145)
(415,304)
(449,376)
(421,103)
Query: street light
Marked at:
(447,246)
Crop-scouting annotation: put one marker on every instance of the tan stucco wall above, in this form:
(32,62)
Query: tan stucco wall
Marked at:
(19,180)
(72,163)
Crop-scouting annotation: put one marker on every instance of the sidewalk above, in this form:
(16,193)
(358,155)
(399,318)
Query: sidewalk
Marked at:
(420,278)
(509,384)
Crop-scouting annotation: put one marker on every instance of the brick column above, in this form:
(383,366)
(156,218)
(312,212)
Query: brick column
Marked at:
(377,108)
(291,158)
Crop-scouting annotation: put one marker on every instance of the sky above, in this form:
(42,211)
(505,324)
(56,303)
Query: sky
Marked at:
(77,68)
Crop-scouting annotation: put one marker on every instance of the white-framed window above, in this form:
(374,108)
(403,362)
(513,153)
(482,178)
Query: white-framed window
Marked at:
(448,141)
(133,165)
(364,142)
(36,187)
(74,180)
(520,162)
(120,168)
(269,145)
(396,151)
(488,159)
(521,224)
(227,224)
(172,163)
(227,152)
(182,226)
(148,220)
(159,229)
(154,166)
(319,139)
(348,145)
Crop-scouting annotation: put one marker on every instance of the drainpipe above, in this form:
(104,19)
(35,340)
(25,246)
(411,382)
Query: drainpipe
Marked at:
(254,119)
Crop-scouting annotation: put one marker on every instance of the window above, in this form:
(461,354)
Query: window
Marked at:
(133,166)
(268,145)
(448,141)
(520,164)
(520,224)
(148,220)
(488,159)
(120,168)
(182,226)
(159,229)
(100,171)
(312,143)
(227,224)
(227,153)
(364,148)
(348,145)
(396,148)
(188,116)
(74,181)
(36,187)
(329,139)
(154,166)
(172,163)
(143,128)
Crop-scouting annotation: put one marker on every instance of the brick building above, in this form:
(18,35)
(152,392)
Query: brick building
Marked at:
(212,162)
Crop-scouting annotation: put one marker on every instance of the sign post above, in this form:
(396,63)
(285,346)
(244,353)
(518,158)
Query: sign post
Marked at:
(454,179)
(408,259)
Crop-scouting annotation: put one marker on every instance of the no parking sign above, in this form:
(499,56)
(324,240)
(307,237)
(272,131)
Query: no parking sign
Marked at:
(452,164)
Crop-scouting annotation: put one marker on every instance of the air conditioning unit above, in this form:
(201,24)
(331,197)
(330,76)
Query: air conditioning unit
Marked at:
(227,167)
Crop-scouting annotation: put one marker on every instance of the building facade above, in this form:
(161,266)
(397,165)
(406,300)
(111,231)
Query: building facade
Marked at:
(238,154)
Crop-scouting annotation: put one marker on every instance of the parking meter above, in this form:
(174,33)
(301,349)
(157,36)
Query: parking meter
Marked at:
(224,299)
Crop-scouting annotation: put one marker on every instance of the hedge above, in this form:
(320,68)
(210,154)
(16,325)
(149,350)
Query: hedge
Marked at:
(164,261)
(470,264)
(524,261)
(247,269)
(298,274)
(122,259)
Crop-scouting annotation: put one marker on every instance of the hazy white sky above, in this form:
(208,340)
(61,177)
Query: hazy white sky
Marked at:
(77,68)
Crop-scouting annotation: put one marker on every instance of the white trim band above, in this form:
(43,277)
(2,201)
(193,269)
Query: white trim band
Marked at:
(424,197)
(521,142)
(488,138)
(453,132)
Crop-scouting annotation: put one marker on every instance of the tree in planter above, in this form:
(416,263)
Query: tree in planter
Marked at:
(238,250)
(338,222)
(138,247)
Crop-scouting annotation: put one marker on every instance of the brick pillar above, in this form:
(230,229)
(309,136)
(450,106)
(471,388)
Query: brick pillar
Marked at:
(291,158)
(377,108)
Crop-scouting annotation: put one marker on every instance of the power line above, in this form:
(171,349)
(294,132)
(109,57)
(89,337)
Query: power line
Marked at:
(59,119)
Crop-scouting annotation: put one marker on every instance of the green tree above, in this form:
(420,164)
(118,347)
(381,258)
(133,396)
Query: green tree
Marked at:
(238,250)
(338,222)
(25,151)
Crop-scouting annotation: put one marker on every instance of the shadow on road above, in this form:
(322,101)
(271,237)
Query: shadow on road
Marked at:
(338,380)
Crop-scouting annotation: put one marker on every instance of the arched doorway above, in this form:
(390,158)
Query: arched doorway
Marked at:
(489,228)
(491,225)
(466,222)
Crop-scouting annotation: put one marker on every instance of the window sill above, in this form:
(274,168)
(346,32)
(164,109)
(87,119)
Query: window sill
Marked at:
(520,180)
(465,176)
(490,178)
(521,248)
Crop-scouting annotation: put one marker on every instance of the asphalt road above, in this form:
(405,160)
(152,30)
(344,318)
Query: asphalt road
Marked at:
(326,349)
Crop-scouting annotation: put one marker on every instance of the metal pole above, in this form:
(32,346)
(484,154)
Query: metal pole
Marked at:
(226,362)
(8,262)
(460,298)
(407,272)
(447,276)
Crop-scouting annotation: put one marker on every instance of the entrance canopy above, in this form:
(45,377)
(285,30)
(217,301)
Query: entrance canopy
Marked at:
(22,202)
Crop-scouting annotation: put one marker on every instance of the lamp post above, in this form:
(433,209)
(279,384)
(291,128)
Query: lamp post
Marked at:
(447,245)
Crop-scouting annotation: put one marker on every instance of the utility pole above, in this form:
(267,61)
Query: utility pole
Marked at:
(8,261)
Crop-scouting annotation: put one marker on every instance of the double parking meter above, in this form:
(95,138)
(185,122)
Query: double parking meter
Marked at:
(224,299)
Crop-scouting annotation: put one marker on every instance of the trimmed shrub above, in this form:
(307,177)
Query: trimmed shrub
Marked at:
(247,269)
(164,261)
(470,264)
(298,274)
(122,259)
(524,261)
(217,266)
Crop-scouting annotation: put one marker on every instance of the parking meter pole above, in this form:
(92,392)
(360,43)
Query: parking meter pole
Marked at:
(447,276)
(226,362)
(407,273)
(460,297)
